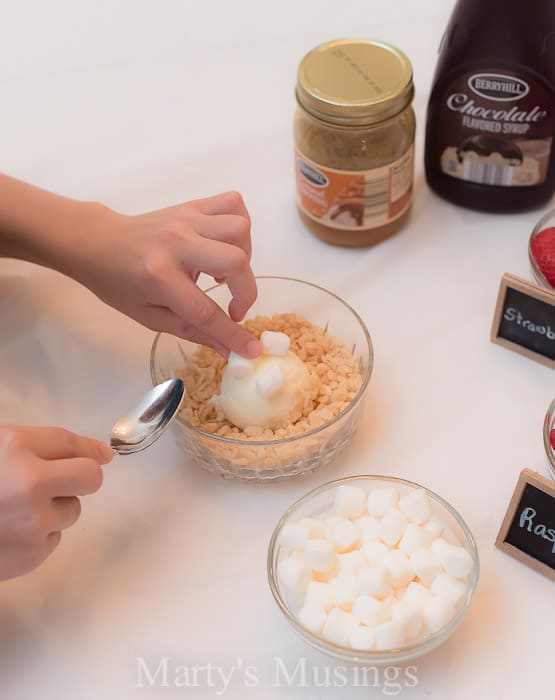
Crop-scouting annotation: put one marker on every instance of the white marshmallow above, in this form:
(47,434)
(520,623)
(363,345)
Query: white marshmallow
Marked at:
(313,618)
(449,588)
(418,594)
(344,534)
(344,591)
(437,613)
(275,343)
(374,552)
(434,527)
(374,581)
(350,501)
(338,627)
(389,635)
(426,565)
(294,575)
(368,526)
(392,526)
(414,537)
(239,367)
(349,564)
(319,555)
(408,615)
(368,610)
(293,536)
(320,595)
(449,536)
(399,568)
(416,506)
(456,561)
(382,500)
(438,545)
(269,381)
(362,638)
(316,528)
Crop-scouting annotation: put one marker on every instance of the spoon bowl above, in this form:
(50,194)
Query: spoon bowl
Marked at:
(144,423)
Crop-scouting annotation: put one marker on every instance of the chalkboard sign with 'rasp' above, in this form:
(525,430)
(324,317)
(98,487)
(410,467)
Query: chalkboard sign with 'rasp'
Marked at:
(524,319)
(528,530)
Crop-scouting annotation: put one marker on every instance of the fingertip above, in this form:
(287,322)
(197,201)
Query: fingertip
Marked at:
(106,453)
(236,311)
(253,349)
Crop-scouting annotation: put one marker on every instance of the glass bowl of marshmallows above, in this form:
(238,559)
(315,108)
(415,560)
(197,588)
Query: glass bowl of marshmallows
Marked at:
(372,569)
(286,413)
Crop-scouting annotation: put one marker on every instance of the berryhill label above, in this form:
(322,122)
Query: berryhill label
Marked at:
(528,530)
(524,319)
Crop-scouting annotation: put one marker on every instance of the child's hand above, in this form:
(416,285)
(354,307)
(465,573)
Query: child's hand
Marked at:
(42,473)
(147,266)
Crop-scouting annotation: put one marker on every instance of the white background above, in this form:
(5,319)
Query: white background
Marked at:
(141,104)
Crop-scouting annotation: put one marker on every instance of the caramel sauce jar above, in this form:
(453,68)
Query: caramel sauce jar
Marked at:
(354,141)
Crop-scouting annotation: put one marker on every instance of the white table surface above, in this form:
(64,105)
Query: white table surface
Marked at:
(141,104)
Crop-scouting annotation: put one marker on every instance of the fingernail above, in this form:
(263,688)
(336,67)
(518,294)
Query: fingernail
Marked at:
(254,348)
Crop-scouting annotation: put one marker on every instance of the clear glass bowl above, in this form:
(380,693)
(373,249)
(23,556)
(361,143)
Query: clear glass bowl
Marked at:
(548,426)
(319,504)
(537,275)
(276,459)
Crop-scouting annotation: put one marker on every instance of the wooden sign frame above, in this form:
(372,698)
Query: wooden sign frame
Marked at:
(531,290)
(527,476)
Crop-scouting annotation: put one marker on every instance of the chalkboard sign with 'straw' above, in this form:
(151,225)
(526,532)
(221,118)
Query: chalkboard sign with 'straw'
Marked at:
(528,530)
(524,319)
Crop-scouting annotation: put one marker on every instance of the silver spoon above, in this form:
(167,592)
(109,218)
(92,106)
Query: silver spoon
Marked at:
(144,423)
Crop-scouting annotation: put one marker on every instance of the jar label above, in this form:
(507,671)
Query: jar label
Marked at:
(495,128)
(354,199)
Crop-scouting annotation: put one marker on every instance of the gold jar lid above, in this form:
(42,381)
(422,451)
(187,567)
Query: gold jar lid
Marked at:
(354,82)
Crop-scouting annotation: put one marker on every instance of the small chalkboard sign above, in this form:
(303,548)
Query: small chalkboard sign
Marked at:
(524,319)
(528,530)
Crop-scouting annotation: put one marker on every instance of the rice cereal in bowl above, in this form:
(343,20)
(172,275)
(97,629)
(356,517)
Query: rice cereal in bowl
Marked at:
(329,357)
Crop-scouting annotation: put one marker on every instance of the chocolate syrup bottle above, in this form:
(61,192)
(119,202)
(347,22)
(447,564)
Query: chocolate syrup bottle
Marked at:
(490,131)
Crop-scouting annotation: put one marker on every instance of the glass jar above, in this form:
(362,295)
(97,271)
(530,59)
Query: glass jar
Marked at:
(549,438)
(548,250)
(354,141)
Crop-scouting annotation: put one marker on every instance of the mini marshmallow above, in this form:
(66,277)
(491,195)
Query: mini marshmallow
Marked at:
(344,591)
(426,565)
(362,638)
(438,545)
(456,560)
(319,555)
(320,595)
(418,594)
(449,588)
(416,506)
(437,613)
(434,527)
(350,501)
(392,526)
(414,537)
(313,618)
(399,568)
(275,343)
(408,615)
(239,367)
(389,635)
(294,575)
(338,627)
(293,536)
(349,564)
(368,610)
(316,528)
(374,552)
(368,527)
(344,534)
(269,381)
(450,537)
(374,581)
(382,500)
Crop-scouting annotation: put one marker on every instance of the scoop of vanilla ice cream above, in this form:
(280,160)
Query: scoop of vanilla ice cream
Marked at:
(242,399)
